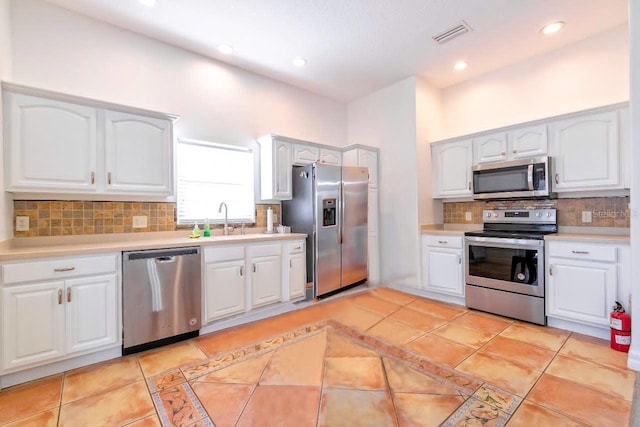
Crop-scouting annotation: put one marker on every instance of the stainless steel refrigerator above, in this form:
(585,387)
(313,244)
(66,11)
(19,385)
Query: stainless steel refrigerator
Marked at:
(329,204)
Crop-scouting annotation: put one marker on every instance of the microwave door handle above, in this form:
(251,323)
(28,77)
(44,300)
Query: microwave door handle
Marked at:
(530,177)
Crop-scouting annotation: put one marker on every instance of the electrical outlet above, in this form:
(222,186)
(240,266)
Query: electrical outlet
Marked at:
(22,223)
(468,216)
(140,221)
(586,216)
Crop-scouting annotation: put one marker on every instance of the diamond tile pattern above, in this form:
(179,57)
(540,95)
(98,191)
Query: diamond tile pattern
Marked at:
(376,358)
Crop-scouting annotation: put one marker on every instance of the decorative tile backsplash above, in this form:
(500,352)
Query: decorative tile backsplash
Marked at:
(605,211)
(65,218)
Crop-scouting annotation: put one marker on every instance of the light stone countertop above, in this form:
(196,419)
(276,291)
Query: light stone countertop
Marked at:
(448,229)
(40,247)
(589,238)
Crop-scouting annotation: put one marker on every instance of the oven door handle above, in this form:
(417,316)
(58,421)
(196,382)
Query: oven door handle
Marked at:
(498,242)
(530,177)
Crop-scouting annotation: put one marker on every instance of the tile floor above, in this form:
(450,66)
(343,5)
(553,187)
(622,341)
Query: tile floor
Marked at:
(377,358)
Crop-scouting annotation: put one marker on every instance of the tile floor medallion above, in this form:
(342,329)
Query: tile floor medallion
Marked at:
(377,358)
(352,363)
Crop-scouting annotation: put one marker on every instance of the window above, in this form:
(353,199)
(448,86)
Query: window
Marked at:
(209,174)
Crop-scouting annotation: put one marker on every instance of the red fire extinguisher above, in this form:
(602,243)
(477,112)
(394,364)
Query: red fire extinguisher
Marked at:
(620,329)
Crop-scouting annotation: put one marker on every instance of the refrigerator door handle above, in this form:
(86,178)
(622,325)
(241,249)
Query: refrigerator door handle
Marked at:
(341,210)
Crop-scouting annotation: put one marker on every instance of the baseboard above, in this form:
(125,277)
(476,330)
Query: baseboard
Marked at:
(451,299)
(594,331)
(633,361)
(30,374)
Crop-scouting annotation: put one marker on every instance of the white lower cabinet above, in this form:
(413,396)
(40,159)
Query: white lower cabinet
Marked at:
(54,309)
(224,288)
(266,280)
(582,282)
(297,267)
(442,266)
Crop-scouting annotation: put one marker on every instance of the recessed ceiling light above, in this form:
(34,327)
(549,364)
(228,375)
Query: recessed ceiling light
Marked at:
(461,65)
(148,3)
(299,62)
(225,49)
(552,28)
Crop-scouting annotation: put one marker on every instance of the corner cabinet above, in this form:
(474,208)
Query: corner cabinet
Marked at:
(451,169)
(275,168)
(586,153)
(54,309)
(67,145)
(443,265)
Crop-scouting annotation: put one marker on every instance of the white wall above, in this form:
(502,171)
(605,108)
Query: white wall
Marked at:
(61,51)
(634,70)
(387,119)
(429,128)
(587,74)
(6,207)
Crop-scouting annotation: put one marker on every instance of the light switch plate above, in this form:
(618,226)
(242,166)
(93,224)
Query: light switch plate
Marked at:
(468,216)
(586,216)
(22,223)
(140,221)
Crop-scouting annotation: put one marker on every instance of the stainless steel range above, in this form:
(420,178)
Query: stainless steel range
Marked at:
(504,268)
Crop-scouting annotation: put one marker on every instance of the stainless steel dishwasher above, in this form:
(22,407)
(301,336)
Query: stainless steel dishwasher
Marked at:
(161,297)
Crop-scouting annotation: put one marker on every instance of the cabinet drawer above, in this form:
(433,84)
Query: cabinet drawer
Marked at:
(577,250)
(31,271)
(296,247)
(264,250)
(223,253)
(443,241)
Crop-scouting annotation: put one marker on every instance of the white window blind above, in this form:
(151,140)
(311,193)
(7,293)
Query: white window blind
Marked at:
(209,174)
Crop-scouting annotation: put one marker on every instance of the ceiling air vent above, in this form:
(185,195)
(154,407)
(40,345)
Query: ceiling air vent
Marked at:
(453,32)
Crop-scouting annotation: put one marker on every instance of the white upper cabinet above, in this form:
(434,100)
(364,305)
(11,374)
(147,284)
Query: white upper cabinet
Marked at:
(51,145)
(451,169)
(330,157)
(518,143)
(275,168)
(586,152)
(490,148)
(528,141)
(63,144)
(305,154)
(138,154)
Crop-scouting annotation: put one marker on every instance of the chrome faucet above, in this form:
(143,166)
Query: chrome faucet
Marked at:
(226,229)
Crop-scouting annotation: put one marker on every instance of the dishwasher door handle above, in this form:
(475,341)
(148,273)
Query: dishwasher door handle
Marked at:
(165,259)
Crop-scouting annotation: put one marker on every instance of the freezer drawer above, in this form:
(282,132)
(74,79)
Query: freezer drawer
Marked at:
(161,294)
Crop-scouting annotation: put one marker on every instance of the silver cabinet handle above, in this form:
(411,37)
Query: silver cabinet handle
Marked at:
(443,242)
(515,151)
(254,267)
(297,248)
(551,270)
(68,294)
(241,271)
(290,266)
(557,178)
(459,259)
(581,252)
(503,154)
(59,296)
(109,178)
(59,270)
(93,177)
(469,186)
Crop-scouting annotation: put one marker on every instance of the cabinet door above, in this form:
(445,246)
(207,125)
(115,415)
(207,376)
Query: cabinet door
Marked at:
(305,154)
(369,158)
(91,313)
(297,275)
(51,145)
(452,169)
(528,142)
(581,291)
(490,148)
(330,157)
(224,289)
(139,154)
(282,170)
(585,152)
(266,281)
(32,323)
(443,271)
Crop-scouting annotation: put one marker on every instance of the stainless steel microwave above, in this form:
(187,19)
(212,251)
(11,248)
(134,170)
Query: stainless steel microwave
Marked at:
(513,179)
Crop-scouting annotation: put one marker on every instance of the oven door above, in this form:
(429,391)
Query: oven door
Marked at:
(513,265)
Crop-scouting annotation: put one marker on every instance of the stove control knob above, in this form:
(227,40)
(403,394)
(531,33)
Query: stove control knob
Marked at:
(549,214)
(488,214)
(495,214)
(538,214)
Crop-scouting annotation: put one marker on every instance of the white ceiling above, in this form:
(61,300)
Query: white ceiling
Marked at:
(355,47)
